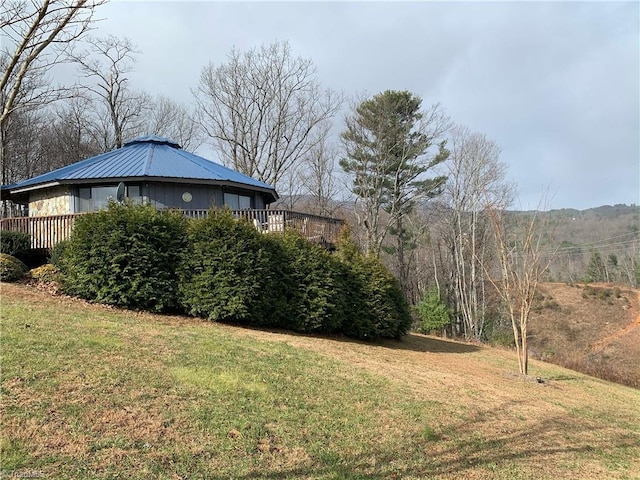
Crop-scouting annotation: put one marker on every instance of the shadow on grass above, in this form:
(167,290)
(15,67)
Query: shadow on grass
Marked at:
(563,378)
(462,449)
(422,343)
(411,342)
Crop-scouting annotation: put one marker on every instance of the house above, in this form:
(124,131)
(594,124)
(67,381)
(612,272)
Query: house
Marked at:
(148,169)
(156,171)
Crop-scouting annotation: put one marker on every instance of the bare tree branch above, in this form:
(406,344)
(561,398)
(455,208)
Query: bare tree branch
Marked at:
(319,176)
(173,120)
(522,264)
(476,178)
(36,28)
(36,36)
(107,64)
(261,109)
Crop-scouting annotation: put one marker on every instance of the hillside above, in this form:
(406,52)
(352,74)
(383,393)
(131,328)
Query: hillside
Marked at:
(573,236)
(94,392)
(612,232)
(594,329)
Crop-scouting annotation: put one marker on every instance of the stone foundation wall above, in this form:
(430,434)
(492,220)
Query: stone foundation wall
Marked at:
(54,201)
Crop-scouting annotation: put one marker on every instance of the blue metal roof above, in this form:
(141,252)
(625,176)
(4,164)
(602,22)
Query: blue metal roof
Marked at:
(145,157)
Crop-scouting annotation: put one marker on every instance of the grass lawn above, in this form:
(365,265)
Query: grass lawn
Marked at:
(93,392)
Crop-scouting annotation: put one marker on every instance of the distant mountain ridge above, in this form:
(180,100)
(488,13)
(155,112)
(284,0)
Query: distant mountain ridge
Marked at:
(573,236)
(611,232)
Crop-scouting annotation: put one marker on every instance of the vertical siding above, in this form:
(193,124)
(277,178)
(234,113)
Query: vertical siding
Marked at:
(161,195)
(218,198)
(166,195)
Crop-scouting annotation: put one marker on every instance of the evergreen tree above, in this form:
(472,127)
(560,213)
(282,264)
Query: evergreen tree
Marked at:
(388,142)
(596,270)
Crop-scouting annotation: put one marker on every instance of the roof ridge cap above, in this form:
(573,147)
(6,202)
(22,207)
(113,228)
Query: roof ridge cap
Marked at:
(154,139)
(147,167)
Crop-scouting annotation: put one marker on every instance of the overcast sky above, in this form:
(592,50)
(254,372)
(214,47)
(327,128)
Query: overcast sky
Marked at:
(554,84)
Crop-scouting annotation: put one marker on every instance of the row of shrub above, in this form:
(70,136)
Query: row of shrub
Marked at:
(11,268)
(18,245)
(14,249)
(14,243)
(223,269)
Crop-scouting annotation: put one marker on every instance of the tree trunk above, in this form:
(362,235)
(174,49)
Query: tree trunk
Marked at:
(402,267)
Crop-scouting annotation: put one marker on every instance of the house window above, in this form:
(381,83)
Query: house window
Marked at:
(84,200)
(134,193)
(237,202)
(97,198)
(100,196)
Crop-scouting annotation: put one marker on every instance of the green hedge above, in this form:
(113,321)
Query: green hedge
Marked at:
(223,269)
(386,309)
(126,256)
(312,288)
(14,243)
(375,306)
(11,269)
(234,273)
(58,252)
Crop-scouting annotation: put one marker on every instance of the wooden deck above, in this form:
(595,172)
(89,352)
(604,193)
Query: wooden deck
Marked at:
(46,232)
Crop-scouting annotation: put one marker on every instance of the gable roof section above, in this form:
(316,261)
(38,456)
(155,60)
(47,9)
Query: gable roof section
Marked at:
(145,158)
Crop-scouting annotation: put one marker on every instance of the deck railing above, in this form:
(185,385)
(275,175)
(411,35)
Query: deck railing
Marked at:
(315,228)
(46,232)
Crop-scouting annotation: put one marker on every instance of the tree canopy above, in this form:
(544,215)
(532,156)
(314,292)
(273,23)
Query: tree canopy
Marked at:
(388,144)
(264,110)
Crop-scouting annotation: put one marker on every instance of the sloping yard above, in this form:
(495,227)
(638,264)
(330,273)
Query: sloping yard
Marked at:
(93,392)
(593,328)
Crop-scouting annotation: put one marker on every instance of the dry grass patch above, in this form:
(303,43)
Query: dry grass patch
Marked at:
(498,414)
(594,329)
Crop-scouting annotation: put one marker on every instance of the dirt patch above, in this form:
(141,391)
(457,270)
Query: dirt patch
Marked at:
(592,328)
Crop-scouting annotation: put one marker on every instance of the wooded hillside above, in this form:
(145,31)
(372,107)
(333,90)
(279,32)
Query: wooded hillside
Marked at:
(579,237)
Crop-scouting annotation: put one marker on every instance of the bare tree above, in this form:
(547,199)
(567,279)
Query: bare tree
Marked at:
(569,262)
(43,139)
(106,66)
(630,265)
(476,178)
(26,129)
(66,139)
(319,175)
(522,262)
(173,120)
(36,36)
(415,265)
(291,190)
(13,127)
(262,108)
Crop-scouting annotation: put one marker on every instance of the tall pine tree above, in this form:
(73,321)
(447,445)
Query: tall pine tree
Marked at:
(389,143)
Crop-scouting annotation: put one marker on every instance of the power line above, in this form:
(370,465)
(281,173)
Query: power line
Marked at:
(605,242)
